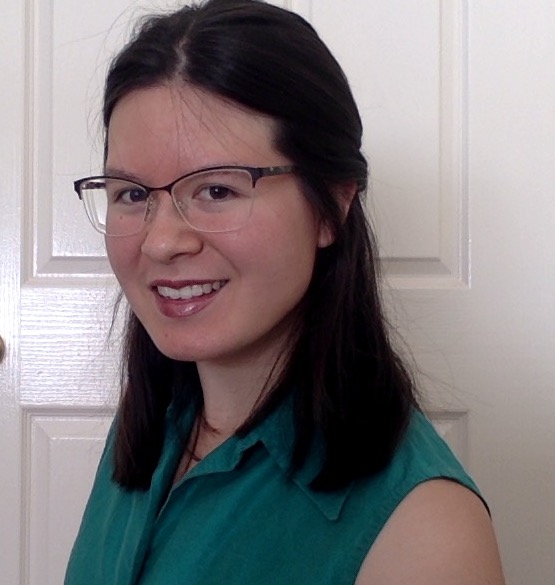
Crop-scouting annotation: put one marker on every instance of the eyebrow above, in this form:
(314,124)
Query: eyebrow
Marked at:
(113,172)
(121,174)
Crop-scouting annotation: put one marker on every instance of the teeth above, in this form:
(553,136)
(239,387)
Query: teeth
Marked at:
(188,292)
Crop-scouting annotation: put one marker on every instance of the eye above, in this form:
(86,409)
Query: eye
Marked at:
(216,193)
(125,193)
(211,189)
(131,195)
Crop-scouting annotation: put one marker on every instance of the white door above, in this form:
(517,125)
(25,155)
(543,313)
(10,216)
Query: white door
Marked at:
(457,98)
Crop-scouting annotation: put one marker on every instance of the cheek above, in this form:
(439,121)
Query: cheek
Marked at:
(121,253)
(280,253)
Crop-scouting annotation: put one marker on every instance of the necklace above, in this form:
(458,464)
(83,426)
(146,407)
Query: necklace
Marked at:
(190,455)
(194,457)
(189,458)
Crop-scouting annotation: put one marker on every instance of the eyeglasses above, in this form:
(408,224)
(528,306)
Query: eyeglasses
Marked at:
(217,199)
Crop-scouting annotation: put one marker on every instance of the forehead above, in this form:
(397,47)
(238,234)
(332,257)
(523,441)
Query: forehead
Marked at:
(176,128)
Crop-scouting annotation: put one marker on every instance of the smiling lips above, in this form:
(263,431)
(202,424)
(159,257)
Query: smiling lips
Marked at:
(190,291)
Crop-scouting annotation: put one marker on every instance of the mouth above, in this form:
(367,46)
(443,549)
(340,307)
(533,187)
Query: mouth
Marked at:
(189,291)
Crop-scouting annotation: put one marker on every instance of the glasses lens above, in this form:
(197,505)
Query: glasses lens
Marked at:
(114,206)
(215,200)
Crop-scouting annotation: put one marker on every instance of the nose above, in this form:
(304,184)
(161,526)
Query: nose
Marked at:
(167,234)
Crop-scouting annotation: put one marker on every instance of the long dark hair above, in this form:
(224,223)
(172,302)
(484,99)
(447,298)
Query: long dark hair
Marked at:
(349,384)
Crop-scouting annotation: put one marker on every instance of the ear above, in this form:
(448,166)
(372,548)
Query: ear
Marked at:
(344,195)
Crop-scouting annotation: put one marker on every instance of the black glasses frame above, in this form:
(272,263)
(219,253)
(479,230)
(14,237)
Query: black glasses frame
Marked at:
(256,173)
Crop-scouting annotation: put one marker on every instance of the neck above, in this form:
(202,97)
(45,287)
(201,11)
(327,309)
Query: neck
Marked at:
(233,389)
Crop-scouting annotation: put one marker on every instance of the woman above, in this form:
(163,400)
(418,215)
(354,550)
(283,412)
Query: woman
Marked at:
(267,431)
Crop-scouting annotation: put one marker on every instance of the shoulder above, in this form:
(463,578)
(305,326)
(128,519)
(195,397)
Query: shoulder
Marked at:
(441,534)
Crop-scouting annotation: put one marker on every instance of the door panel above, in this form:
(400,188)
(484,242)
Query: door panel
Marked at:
(63,450)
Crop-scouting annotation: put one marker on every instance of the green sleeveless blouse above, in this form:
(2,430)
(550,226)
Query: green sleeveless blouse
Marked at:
(238,518)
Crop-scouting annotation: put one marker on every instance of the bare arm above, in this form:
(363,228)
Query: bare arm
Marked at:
(440,534)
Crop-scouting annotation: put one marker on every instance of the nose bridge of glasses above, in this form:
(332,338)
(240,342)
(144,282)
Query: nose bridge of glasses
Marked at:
(155,195)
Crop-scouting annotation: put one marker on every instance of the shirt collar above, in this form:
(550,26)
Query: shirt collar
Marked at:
(277,434)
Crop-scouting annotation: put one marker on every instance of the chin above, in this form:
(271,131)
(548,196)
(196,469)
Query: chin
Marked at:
(185,352)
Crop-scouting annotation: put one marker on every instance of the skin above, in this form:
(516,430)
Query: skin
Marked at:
(441,533)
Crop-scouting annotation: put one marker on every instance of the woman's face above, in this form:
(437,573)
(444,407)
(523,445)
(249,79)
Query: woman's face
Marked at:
(250,280)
